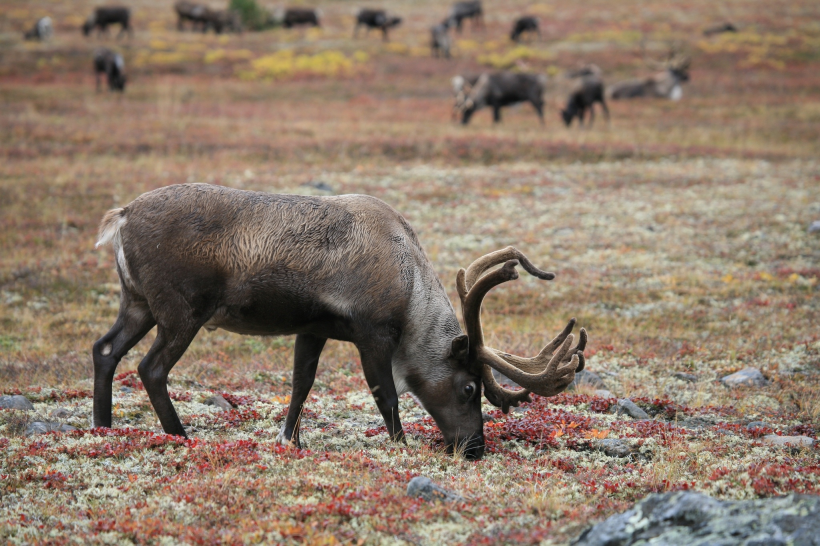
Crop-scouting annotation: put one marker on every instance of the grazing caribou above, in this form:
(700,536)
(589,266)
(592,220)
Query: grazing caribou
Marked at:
(527,23)
(440,42)
(502,89)
(111,64)
(462,85)
(375,18)
(664,84)
(466,10)
(42,30)
(196,14)
(583,97)
(347,267)
(719,28)
(102,17)
(292,17)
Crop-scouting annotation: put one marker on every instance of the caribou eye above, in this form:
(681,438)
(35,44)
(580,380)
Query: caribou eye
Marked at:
(469,389)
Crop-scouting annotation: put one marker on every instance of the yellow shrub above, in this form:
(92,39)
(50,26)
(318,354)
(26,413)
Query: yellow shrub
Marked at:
(286,63)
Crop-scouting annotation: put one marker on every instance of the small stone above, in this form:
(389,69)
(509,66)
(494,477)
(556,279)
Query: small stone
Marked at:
(487,418)
(219,402)
(60,413)
(688,377)
(126,390)
(747,377)
(758,424)
(614,447)
(423,487)
(588,378)
(814,227)
(44,427)
(628,407)
(16,402)
(789,441)
(603,393)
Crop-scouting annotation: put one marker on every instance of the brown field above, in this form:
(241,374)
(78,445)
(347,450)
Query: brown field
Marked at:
(678,232)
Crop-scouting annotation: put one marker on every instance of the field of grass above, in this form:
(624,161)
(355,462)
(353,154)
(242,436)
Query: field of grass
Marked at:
(678,232)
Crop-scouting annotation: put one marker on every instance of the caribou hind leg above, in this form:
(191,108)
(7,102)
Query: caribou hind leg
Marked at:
(305,361)
(133,323)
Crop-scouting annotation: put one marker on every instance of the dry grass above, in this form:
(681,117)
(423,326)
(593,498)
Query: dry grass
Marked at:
(678,233)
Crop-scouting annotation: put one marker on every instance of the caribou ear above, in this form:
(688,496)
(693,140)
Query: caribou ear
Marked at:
(460,347)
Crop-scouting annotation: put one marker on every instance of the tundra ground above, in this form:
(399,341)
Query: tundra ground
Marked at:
(678,233)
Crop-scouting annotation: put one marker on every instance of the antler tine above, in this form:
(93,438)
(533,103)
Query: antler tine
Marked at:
(537,363)
(498,395)
(478,267)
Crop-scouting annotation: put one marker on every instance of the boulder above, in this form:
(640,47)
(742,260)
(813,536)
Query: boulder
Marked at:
(788,441)
(614,447)
(423,487)
(219,402)
(628,407)
(688,377)
(586,377)
(16,402)
(43,427)
(747,377)
(688,518)
(60,413)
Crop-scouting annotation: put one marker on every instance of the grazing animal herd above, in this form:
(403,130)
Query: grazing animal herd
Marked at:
(471,92)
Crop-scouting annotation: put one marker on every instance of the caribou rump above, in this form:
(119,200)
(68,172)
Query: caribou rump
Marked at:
(343,267)
(502,89)
(375,18)
(42,30)
(526,23)
(105,16)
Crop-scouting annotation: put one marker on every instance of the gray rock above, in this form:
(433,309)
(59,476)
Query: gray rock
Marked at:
(503,380)
(688,518)
(603,393)
(628,407)
(16,402)
(126,390)
(219,402)
(487,418)
(615,447)
(814,227)
(319,185)
(43,427)
(688,377)
(789,441)
(60,413)
(747,377)
(586,377)
(758,424)
(429,491)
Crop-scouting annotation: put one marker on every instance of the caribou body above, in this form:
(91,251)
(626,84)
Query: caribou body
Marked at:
(110,64)
(375,18)
(105,16)
(342,267)
(501,89)
(589,91)
(42,30)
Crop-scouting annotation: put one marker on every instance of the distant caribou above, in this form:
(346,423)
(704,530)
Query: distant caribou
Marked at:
(527,23)
(292,17)
(42,30)
(503,89)
(375,18)
(202,18)
(719,28)
(583,97)
(664,84)
(102,17)
(470,9)
(440,42)
(112,65)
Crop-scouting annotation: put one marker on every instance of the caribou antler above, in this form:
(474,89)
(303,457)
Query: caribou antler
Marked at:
(546,374)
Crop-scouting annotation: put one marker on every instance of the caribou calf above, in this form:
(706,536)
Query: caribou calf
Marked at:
(375,18)
(590,91)
(344,267)
(292,17)
(527,23)
(103,17)
(111,64)
(470,9)
(42,30)
(440,42)
(502,89)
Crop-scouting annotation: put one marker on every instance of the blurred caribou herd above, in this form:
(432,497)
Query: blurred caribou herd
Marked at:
(472,92)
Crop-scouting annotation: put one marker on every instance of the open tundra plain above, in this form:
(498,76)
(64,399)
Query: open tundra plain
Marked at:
(679,233)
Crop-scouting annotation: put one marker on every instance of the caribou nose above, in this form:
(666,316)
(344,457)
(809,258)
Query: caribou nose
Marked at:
(473,447)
